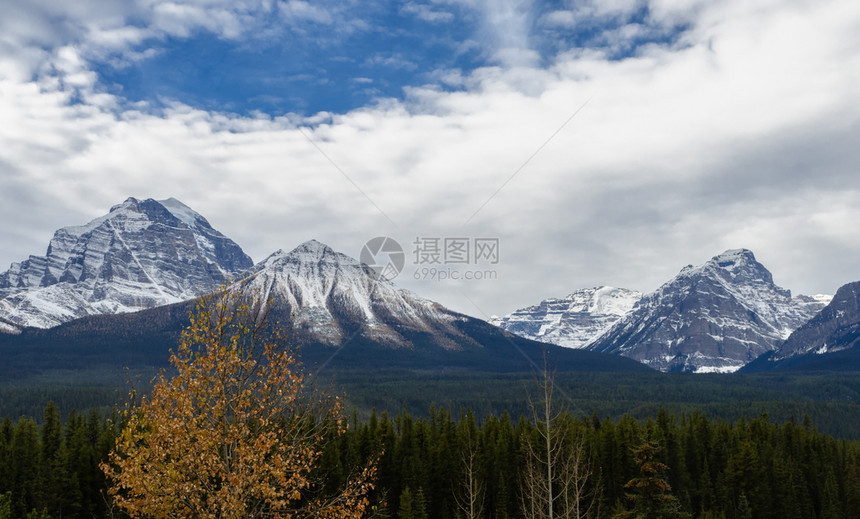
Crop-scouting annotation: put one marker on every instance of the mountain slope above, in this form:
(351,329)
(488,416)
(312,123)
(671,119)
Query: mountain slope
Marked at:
(342,312)
(828,341)
(836,327)
(715,317)
(574,321)
(342,317)
(142,254)
(332,297)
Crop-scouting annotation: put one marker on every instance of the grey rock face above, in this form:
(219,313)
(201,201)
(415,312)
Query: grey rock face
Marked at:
(142,254)
(835,328)
(713,318)
(334,298)
(574,321)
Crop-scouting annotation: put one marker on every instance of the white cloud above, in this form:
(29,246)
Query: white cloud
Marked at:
(392,61)
(426,12)
(298,11)
(743,135)
(560,18)
(508,25)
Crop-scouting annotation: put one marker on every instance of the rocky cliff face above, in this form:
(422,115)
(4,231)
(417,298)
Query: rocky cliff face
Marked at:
(142,254)
(715,317)
(574,321)
(334,298)
(836,327)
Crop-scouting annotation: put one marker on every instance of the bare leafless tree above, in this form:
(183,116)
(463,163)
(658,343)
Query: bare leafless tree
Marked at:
(470,498)
(557,475)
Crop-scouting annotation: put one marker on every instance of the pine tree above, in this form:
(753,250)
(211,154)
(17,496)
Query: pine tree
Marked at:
(744,511)
(52,465)
(830,505)
(406,508)
(419,505)
(6,505)
(24,467)
(649,492)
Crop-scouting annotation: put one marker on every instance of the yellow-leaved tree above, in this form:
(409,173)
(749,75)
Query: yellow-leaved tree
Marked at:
(235,432)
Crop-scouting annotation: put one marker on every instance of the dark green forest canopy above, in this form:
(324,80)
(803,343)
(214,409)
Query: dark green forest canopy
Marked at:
(713,468)
(832,400)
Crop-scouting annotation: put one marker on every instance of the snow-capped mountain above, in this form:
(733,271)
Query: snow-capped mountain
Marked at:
(574,321)
(716,317)
(142,254)
(834,328)
(343,318)
(334,298)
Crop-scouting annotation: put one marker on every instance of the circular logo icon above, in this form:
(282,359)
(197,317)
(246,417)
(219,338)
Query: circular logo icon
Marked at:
(384,256)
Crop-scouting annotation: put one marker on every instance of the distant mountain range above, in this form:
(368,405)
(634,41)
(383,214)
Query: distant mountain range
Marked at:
(119,289)
(574,321)
(713,318)
(716,317)
(342,314)
(829,341)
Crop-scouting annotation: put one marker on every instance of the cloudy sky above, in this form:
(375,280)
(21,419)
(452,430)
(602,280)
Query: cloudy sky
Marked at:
(600,141)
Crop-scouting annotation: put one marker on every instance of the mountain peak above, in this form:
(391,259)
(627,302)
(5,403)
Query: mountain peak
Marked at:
(332,296)
(573,321)
(143,253)
(736,266)
(734,256)
(128,202)
(313,247)
(714,317)
(311,252)
(181,211)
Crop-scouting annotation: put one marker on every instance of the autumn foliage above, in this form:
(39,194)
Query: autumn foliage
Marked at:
(235,432)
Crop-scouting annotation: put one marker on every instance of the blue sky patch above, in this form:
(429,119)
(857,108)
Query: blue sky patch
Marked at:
(353,57)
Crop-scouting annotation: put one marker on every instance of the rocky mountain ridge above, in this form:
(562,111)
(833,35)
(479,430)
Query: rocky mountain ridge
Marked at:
(333,297)
(716,317)
(142,254)
(573,321)
(835,328)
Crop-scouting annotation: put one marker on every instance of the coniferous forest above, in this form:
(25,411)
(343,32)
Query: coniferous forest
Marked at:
(667,466)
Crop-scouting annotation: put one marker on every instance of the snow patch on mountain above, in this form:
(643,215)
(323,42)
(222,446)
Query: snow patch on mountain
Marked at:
(574,321)
(334,297)
(142,254)
(716,317)
(836,327)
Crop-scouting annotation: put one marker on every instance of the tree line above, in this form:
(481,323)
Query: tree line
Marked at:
(432,467)
(238,432)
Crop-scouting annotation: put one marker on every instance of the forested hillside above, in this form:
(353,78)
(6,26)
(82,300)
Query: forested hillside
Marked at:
(750,468)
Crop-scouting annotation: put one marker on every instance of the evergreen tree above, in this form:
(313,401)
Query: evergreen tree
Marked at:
(6,505)
(406,508)
(649,492)
(24,457)
(830,505)
(744,511)
(419,505)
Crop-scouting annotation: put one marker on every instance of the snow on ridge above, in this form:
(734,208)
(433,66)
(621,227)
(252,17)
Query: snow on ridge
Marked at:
(713,317)
(321,285)
(117,263)
(123,209)
(574,321)
(181,211)
(824,299)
